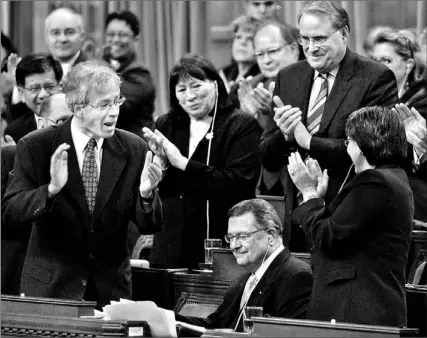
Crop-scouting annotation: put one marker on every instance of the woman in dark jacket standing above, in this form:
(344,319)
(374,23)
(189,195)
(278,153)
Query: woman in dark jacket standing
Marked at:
(210,151)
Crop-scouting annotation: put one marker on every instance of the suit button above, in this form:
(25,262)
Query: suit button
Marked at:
(84,282)
(181,196)
(92,257)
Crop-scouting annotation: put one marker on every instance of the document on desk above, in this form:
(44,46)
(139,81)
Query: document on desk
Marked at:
(193,328)
(160,321)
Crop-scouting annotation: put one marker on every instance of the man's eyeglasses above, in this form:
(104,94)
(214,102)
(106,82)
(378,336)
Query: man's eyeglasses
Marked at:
(317,41)
(50,88)
(269,51)
(347,142)
(105,106)
(242,237)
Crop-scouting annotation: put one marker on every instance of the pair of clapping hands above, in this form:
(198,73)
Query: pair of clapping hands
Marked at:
(166,152)
(308,177)
(415,127)
(254,100)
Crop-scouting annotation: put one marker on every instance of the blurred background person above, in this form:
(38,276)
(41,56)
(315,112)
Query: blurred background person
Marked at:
(243,63)
(371,36)
(396,50)
(211,152)
(121,37)
(262,10)
(64,35)
(54,110)
(361,240)
(37,77)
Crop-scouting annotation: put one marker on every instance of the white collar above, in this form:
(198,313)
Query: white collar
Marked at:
(263,268)
(80,139)
(333,72)
(72,60)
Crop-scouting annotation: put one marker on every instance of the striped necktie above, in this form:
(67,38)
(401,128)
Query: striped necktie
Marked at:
(90,174)
(314,116)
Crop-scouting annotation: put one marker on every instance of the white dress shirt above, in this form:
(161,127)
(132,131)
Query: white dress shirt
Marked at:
(66,66)
(80,141)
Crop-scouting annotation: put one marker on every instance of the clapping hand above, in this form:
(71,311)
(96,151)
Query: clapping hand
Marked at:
(150,176)
(58,169)
(308,178)
(248,102)
(286,118)
(415,126)
(8,80)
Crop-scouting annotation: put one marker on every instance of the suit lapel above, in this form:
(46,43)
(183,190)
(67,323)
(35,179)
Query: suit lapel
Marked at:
(268,277)
(304,89)
(113,163)
(339,90)
(74,183)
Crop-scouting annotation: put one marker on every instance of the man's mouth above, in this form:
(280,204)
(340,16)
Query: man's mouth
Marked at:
(109,124)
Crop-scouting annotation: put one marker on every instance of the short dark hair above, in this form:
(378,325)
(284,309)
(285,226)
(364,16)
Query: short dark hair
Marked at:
(202,69)
(333,9)
(289,34)
(37,63)
(265,214)
(127,17)
(380,135)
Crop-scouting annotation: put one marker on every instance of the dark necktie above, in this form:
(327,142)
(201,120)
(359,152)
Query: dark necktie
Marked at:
(90,174)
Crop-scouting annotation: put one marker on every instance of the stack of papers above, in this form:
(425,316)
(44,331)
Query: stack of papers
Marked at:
(161,322)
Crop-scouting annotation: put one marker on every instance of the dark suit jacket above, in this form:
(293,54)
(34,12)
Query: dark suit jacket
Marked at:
(360,82)
(22,126)
(13,245)
(283,291)
(361,246)
(68,245)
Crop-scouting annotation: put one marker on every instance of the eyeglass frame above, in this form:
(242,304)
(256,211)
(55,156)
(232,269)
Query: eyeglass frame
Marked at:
(317,44)
(116,103)
(35,91)
(247,235)
(272,50)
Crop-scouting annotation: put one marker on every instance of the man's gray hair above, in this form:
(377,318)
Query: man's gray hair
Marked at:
(64,10)
(333,9)
(265,214)
(86,78)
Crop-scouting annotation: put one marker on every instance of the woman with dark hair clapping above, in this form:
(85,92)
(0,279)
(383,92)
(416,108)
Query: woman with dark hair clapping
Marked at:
(209,152)
(361,240)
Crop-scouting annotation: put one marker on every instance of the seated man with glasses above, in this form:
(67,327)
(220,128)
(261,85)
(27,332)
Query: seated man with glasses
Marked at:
(79,183)
(37,77)
(276,281)
(313,99)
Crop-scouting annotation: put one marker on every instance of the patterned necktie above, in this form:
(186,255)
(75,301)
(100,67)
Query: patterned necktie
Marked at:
(250,284)
(41,123)
(90,174)
(314,116)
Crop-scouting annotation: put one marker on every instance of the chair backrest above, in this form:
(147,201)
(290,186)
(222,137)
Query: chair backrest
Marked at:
(197,305)
(277,202)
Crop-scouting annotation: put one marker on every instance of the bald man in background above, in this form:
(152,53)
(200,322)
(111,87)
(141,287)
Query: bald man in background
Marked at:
(64,35)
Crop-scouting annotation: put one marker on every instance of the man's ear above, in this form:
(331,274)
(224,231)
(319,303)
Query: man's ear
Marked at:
(345,33)
(78,110)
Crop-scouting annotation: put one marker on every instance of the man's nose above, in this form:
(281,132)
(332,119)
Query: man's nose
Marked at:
(62,37)
(43,93)
(234,243)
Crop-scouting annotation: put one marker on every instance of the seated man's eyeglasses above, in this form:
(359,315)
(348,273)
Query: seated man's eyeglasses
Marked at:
(242,237)
(269,51)
(51,88)
(317,41)
(105,106)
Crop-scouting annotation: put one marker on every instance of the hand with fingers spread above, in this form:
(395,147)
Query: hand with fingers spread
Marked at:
(150,176)
(173,154)
(305,179)
(415,126)
(286,118)
(58,169)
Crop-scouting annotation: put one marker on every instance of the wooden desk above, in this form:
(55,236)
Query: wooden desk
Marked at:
(281,327)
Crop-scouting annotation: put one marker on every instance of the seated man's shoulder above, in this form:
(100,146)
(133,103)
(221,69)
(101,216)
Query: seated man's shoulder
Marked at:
(295,265)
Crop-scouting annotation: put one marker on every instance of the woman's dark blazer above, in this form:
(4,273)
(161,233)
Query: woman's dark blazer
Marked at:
(230,177)
(361,244)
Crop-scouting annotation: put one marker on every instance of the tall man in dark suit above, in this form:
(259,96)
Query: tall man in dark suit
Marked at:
(80,183)
(64,35)
(314,98)
(276,281)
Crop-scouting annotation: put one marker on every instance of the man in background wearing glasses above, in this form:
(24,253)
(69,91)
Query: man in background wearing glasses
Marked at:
(80,183)
(313,99)
(278,282)
(37,77)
